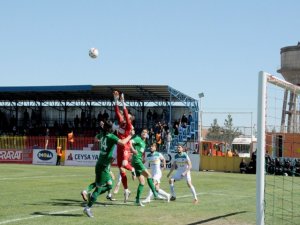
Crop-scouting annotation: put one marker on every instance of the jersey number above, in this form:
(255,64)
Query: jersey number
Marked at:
(103,143)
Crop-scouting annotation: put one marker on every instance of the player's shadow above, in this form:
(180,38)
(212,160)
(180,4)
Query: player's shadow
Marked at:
(80,203)
(216,218)
(57,214)
(61,202)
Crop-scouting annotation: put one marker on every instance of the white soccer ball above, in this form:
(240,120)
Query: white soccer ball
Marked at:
(93,53)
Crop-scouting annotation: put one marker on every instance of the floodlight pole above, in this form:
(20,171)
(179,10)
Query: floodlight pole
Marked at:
(200,95)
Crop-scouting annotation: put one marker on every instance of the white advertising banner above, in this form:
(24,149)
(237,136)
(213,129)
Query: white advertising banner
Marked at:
(89,158)
(81,158)
(44,157)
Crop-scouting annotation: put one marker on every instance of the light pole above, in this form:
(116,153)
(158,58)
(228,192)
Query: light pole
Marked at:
(200,95)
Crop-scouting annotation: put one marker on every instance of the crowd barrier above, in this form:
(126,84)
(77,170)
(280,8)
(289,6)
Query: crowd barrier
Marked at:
(221,164)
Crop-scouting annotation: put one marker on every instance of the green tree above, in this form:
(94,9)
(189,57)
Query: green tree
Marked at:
(226,133)
(229,132)
(214,132)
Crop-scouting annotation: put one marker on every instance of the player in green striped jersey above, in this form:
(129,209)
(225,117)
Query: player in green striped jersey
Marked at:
(102,169)
(155,159)
(183,166)
(138,146)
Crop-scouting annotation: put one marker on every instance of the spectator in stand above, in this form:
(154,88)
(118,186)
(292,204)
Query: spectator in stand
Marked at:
(154,116)
(100,117)
(105,115)
(71,139)
(82,119)
(158,140)
(47,134)
(149,118)
(76,122)
(25,118)
(190,118)
(151,136)
(168,141)
(176,127)
(184,120)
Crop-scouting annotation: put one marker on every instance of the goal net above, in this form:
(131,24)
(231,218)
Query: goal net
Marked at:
(278,152)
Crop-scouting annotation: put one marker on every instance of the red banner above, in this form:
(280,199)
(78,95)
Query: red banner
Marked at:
(15,156)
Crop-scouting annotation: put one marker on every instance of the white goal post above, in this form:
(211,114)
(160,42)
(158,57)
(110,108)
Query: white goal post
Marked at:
(263,80)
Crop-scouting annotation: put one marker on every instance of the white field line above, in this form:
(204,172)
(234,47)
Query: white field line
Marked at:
(37,216)
(37,177)
(80,209)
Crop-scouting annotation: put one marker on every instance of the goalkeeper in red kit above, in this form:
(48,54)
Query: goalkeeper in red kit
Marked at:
(123,151)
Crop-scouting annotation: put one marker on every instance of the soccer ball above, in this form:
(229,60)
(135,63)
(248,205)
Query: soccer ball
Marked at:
(93,53)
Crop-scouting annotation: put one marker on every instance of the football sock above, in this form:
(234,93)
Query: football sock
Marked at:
(172,189)
(152,187)
(139,192)
(124,180)
(163,193)
(119,179)
(149,195)
(98,191)
(94,196)
(193,192)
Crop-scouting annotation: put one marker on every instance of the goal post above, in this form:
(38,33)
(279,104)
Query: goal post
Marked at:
(277,174)
(260,162)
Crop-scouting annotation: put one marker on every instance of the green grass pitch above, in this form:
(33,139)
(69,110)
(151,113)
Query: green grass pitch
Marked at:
(35,195)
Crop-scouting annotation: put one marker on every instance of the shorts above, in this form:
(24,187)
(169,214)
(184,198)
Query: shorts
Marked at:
(177,176)
(139,168)
(102,175)
(157,176)
(122,154)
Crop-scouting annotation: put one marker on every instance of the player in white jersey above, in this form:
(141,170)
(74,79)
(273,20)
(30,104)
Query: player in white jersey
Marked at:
(183,163)
(154,159)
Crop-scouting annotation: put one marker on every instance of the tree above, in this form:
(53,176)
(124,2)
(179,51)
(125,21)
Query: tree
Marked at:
(226,133)
(229,132)
(214,132)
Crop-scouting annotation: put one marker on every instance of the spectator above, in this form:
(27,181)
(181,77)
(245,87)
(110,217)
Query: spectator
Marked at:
(76,122)
(243,166)
(154,116)
(184,120)
(59,154)
(149,117)
(47,138)
(71,139)
(175,127)
(100,116)
(151,136)
(251,168)
(105,115)
(190,118)
(158,140)
(168,141)
(229,153)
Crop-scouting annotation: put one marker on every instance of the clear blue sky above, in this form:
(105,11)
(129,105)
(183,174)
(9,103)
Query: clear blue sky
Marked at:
(212,46)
